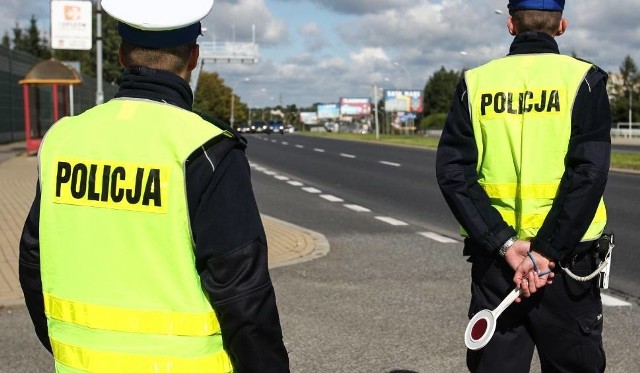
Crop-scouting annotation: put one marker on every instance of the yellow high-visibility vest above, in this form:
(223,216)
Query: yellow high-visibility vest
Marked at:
(520,108)
(120,286)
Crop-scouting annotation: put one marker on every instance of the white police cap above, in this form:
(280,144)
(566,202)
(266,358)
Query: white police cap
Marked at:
(158,15)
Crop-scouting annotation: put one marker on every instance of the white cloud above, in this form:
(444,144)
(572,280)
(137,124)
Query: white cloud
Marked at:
(314,39)
(361,7)
(339,48)
(20,12)
(236,18)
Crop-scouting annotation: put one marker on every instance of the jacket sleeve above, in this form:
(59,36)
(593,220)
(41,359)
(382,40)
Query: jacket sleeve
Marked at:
(231,257)
(456,161)
(586,171)
(29,271)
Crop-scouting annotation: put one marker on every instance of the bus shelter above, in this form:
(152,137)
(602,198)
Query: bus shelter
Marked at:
(48,96)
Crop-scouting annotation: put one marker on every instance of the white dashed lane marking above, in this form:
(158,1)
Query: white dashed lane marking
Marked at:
(312,190)
(392,221)
(394,164)
(281,177)
(357,208)
(299,146)
(318,150)
(437,237)
(345,155)
(331,198)
(295,183)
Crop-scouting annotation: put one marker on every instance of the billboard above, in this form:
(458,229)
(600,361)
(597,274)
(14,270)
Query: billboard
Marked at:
(403,100)
(328,111)
(71,25)
(309,117)
(355,106)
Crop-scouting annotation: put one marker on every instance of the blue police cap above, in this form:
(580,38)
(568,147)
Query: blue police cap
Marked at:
(158,24)
(553,5)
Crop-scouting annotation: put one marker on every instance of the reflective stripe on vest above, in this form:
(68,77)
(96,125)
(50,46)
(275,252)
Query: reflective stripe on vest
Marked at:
(521,109)
(117,255)
(109,361)
(127,320)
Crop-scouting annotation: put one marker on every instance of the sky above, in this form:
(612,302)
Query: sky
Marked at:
(316,51)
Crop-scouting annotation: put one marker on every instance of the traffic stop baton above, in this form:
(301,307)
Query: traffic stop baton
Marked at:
(482,326)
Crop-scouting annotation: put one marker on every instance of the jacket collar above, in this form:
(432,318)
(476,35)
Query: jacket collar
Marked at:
(156,85)
(533,42)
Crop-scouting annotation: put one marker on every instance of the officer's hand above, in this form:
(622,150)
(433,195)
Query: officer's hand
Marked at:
(527,279)
(516,253)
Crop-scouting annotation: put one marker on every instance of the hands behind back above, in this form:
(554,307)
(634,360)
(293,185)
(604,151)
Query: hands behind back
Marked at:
(526,278)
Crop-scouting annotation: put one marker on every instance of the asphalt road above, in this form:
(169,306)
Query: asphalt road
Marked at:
(402,181)
(625,148)
(392,294)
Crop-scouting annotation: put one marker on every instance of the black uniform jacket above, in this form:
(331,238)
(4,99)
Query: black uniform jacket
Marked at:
(582,184)
(231,248)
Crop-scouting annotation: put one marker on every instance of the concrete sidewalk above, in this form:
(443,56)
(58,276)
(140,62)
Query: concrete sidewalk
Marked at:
(288,243)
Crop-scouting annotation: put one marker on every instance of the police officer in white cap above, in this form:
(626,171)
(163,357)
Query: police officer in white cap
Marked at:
(523,163)
(144,250)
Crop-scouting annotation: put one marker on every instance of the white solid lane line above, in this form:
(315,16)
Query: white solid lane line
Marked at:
(610,301)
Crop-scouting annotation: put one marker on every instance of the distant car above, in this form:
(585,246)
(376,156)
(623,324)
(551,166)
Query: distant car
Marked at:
(276,126)
(243,128)
(260,126)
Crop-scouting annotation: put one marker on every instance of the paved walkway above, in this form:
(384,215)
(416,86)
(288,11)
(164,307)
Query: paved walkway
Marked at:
(288,243)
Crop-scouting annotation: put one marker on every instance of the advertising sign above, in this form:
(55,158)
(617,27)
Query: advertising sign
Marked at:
(309,117)
(328,111)
(71,24)
(399,100)
(355,106)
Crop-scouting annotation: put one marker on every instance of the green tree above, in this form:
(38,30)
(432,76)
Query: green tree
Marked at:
(6,40)
(629,84)
(439,90)
(213,99)
(31,40)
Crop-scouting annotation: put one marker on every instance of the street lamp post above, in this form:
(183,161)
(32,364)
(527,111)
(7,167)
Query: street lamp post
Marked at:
(630,109)
(233,97)
(99,89)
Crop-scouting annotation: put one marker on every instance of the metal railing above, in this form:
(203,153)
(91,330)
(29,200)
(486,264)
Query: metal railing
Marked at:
(626,129)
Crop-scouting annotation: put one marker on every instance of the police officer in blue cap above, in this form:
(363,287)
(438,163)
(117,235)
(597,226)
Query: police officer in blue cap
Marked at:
(523,162)
(144,250)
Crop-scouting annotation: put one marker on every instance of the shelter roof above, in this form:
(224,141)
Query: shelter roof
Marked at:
(51,71)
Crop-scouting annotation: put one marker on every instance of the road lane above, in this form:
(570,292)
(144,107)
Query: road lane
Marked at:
(387,297)
(409,191)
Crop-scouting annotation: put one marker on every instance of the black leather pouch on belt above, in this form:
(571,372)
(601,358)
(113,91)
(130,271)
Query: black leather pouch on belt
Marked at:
(597,248)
